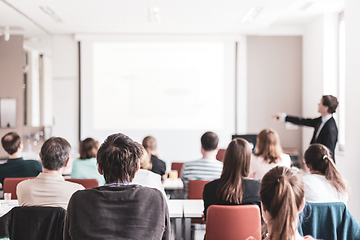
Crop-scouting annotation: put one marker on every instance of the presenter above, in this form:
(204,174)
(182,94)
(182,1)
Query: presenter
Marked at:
(325,129)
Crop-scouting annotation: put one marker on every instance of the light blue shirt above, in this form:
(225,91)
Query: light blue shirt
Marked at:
(86,168)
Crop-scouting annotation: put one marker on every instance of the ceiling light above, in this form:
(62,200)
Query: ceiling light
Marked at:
(154,15)
(305,6)
(251,14)
(48,11)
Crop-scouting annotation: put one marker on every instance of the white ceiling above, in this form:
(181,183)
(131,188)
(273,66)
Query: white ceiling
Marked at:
(177,17)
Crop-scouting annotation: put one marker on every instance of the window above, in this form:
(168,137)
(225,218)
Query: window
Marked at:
(341,84)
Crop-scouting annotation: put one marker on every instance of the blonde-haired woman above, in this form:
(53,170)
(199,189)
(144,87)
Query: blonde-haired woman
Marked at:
(145,177)
(268,154)
(282,199)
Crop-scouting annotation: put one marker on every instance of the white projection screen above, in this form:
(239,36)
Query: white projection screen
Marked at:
(174,91)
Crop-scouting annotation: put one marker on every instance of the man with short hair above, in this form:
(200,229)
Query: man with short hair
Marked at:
(325,129)
(16,166)
(207,168)
(118,210)
(49,188)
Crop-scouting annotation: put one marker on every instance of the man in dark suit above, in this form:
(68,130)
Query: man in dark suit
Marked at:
(326,131)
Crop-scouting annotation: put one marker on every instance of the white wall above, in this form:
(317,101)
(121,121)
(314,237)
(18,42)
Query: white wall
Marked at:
(351,162)
(274,74)
(65,90)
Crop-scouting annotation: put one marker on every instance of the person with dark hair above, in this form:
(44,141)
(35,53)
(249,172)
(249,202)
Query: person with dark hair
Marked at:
(49,188)
(16,166)
(282,199)
(118,210)
(158,165)
(268,154)
(324,183)
(86,165)
(233,187)
(325,129)
(207,168)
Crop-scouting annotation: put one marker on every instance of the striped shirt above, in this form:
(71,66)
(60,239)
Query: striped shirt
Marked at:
(203,169)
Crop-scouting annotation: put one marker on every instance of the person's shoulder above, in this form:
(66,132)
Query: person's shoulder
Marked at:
(34,163)
(251,182)
(150,194)
(72,185)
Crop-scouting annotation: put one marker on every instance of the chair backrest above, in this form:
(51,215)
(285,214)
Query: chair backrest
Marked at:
(233,222)
(10,185)
(196,188)
(330,221)
(87,183)
(220,155)
(33,223)
(178,167)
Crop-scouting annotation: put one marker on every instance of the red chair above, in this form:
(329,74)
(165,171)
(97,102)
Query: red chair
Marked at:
(196,188)
(178,167)
(233,222)
(10,185)
(195,191)
(87,183)
(220,155)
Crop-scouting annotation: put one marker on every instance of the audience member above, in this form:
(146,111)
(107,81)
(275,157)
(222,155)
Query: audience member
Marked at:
(325,129)
(234,187)
(158,166)
(324,183)
(49,188)
(118,210)
(207,168)
(16,166)
(145,177)
(268,154)
(282,199)
(86,165)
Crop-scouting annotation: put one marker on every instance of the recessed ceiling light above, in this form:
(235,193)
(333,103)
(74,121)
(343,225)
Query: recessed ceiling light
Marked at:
(305,6)
(48,11)
(251,14)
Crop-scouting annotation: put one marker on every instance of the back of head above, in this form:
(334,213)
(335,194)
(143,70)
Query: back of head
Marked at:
(54,153)
(236,165)
(145,161)
(331,102)
(282,193)
(118,158)
(88,148)
(318,158)
(11,142)
(209,141)
(268,145)
(149,144)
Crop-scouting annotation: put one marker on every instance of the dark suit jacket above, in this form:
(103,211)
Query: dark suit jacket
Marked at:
(328,135)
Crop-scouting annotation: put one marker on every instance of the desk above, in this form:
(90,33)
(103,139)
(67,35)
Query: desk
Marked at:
(181,211)
(174,188)
(6,207)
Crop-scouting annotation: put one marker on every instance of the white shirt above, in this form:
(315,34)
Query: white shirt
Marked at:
(259,167)
(319,189)
(147,178)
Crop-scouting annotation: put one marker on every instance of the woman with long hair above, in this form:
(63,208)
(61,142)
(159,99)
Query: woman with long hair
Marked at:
(86,165)
(233,187)
(324,183)
(282,199)
(268,154)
